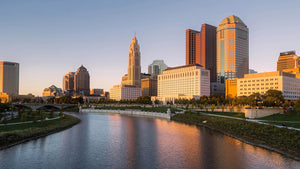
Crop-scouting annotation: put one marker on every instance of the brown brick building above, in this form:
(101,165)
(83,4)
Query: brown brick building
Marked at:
(201,48)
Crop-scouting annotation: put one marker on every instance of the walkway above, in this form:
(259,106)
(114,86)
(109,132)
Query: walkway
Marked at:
(256,121)
(9,124)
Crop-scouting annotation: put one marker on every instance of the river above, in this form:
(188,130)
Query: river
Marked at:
(116,141)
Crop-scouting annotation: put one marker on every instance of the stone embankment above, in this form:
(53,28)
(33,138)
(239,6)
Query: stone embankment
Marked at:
(129,112)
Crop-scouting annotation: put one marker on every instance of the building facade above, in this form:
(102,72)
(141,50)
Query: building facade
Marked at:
(192,39)
(232,49)
(190,81)
(231,88)
(124,92)
(156,68)
(97,92)
(149,87)
(9,78)
(262,82)
(134,65)
(201,48)
(288,60)
(52,91)
(82,81)
(68,82)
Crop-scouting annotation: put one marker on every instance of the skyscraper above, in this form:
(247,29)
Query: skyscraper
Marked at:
(201,48)
(156,68)
(68,82)
(192,37)
(9,78)
(288,60)
(232,49)
(82,81)
(134,64)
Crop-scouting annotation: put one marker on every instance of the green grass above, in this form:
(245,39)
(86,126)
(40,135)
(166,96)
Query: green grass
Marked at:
(14,133)
(292,116)
(28,125)
(29,118)
(287,124)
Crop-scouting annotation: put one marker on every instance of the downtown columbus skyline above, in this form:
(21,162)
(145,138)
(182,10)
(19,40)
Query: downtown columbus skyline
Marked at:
(50,39)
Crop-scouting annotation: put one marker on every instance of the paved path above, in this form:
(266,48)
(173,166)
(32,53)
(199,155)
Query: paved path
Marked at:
(9,124)
(256,121)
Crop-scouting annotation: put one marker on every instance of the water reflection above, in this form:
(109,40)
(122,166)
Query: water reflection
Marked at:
(115,141)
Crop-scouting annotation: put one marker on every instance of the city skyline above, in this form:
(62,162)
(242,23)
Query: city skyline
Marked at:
(37,36)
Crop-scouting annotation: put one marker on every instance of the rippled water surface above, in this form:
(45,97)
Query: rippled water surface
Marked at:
(115,141)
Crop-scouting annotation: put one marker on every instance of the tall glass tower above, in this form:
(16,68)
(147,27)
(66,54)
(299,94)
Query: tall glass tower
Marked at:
(232,49)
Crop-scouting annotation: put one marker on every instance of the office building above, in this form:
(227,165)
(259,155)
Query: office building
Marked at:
(133,76)
(9,78)
(189,81)
(201,48)
(251,71)
(262,82)
(97,92)
(232,49)
(68,83)
(156,68)
(288,60)
(82,81)
(124,92)
(231,88)
(149,87)
(52,91)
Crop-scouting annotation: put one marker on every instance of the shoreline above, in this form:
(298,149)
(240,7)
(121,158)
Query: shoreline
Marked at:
(252,142)
(39,133)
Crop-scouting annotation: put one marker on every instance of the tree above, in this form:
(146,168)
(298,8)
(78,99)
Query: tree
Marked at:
(297,106)
(273,98)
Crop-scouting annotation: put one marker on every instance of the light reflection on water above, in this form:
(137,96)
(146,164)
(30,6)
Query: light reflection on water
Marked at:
(115,141)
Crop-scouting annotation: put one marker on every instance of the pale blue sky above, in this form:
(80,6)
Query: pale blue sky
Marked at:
(50,38)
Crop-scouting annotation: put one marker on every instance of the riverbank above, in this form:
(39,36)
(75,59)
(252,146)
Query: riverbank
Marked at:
(16,134)
(280,140)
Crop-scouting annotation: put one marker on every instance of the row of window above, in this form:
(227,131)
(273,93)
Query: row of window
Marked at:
(262,84)
(187,74)
(258,80)
(262,88)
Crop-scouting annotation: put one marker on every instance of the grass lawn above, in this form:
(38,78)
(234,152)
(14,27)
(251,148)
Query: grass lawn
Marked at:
(292,116)
(28,125)
(29,118)
(15,133)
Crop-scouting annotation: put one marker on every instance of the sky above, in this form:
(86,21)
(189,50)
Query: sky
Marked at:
(50,38)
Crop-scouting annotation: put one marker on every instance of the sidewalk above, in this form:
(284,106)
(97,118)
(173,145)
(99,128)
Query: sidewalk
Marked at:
(9,124)
(256,121)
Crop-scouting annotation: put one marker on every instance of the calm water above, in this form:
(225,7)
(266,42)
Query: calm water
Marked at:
(115,141)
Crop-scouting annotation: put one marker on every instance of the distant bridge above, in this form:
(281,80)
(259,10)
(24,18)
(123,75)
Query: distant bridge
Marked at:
(35,106)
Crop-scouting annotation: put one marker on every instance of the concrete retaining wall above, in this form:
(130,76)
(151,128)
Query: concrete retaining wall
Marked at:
(128,112)
(257,113)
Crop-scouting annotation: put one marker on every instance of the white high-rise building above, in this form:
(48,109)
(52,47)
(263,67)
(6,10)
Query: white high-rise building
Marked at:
(190,81)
